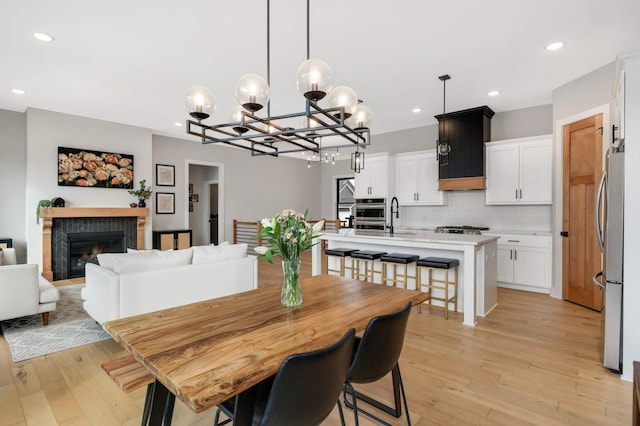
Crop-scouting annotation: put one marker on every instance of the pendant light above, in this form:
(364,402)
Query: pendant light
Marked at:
(442,144)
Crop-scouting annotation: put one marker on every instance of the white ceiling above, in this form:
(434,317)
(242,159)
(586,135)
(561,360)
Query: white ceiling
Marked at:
(131,61)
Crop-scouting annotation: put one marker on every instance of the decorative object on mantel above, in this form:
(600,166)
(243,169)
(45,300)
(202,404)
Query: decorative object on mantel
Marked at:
(165,203)
(288,234)
(83,167)
(57,202)
(141,194)
(344,122)
(42,203)
(165,175)
(193,198)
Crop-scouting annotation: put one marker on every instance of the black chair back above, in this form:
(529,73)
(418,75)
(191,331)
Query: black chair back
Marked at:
(307,386)
(378,351)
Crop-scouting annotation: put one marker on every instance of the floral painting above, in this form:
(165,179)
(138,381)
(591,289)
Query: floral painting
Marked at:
(82,167)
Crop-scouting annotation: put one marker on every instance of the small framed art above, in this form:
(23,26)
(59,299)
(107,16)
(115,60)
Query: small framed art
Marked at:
(165,175)
(165,203)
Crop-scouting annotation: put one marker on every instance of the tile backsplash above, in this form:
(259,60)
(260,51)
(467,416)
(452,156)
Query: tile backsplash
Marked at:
(468,208)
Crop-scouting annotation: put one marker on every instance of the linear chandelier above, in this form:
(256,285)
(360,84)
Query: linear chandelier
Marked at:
(344,121)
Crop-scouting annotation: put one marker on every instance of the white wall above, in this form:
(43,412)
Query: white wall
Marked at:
(46,131)
(254,187)
(12,159)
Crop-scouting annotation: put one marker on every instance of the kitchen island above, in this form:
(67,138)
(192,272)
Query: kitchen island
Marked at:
(477,280)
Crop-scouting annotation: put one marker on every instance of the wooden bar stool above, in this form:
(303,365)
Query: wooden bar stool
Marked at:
(341,254)
(394,260)
(443,264)
(368,257)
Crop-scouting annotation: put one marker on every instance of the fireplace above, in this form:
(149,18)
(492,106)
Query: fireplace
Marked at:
(84,248)
(59,221)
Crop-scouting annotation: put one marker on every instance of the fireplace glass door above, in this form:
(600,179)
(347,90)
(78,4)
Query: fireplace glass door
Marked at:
(84,248)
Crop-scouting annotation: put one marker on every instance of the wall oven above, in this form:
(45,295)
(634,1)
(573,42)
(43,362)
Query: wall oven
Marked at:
(370,213)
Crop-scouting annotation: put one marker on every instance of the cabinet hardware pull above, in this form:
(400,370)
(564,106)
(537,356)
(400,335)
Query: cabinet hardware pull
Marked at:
(516,194)
(513,241)
(515,255)
(521,194)
(511,254)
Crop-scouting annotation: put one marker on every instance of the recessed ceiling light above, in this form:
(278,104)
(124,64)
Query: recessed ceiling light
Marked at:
(178,124)
(416,110)
(18,91)
(556,45)
(494,93)
(43,36)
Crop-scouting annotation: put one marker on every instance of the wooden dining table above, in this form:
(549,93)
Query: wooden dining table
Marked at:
(207,352)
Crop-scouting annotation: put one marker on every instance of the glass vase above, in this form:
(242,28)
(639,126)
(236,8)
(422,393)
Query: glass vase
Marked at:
(291,295)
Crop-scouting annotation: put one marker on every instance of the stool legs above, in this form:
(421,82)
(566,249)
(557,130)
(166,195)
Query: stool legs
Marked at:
(402,278)
(369,270)
(430,285)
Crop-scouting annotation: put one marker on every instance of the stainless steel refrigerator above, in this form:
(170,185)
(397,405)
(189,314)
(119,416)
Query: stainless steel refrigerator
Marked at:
(609,217)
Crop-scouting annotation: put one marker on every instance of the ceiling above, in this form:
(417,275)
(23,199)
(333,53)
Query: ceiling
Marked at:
(131,61)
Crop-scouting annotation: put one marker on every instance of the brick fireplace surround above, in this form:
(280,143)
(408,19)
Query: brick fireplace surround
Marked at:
(48,214)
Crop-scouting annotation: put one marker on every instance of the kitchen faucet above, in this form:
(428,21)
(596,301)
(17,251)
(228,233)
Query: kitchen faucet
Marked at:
(397,212)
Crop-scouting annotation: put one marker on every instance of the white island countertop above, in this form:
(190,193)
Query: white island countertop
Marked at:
(415,236)
(477,255)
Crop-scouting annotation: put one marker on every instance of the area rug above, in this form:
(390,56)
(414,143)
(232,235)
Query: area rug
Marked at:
(69,326)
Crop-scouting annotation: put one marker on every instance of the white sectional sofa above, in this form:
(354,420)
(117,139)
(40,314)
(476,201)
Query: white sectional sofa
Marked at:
(139,282)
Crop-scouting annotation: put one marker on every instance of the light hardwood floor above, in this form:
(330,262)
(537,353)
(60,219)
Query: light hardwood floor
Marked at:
(534,360)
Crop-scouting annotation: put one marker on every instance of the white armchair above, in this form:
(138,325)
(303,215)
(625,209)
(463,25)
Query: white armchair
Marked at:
(23,291)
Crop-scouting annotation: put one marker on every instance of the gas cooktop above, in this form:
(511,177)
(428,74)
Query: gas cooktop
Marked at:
(469,230)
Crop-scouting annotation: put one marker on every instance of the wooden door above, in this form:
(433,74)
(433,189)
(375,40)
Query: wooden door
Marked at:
(582,167)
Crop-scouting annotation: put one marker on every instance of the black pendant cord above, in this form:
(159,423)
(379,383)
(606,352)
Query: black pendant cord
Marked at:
(308,25)
(269,54)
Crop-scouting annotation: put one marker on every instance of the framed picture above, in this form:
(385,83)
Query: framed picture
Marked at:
(190,188)
(94,169)
(165,175)
(190,207)
(165,203)
(193,198)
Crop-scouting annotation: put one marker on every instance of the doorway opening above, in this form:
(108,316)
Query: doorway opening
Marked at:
(205,215)
(345,201)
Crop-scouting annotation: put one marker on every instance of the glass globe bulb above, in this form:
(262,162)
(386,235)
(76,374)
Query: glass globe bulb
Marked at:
(235,116)
(252,92)
(200,102)
(345,97)
(361,118)
(314,79)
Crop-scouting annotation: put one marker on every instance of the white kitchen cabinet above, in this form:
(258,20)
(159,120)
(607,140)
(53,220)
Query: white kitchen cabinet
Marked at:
(417,179)
(524,262)
(373,179)
(519,171)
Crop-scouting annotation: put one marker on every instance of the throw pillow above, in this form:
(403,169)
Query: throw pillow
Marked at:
(107,260)
(176,257)
(211,253)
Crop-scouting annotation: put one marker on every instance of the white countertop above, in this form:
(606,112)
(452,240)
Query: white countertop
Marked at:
(409,236)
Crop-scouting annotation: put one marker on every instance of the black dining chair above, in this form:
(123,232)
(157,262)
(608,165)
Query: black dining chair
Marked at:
(376,354)
(303,392)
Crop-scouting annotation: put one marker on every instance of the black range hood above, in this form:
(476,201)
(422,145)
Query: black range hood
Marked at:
(461,138)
